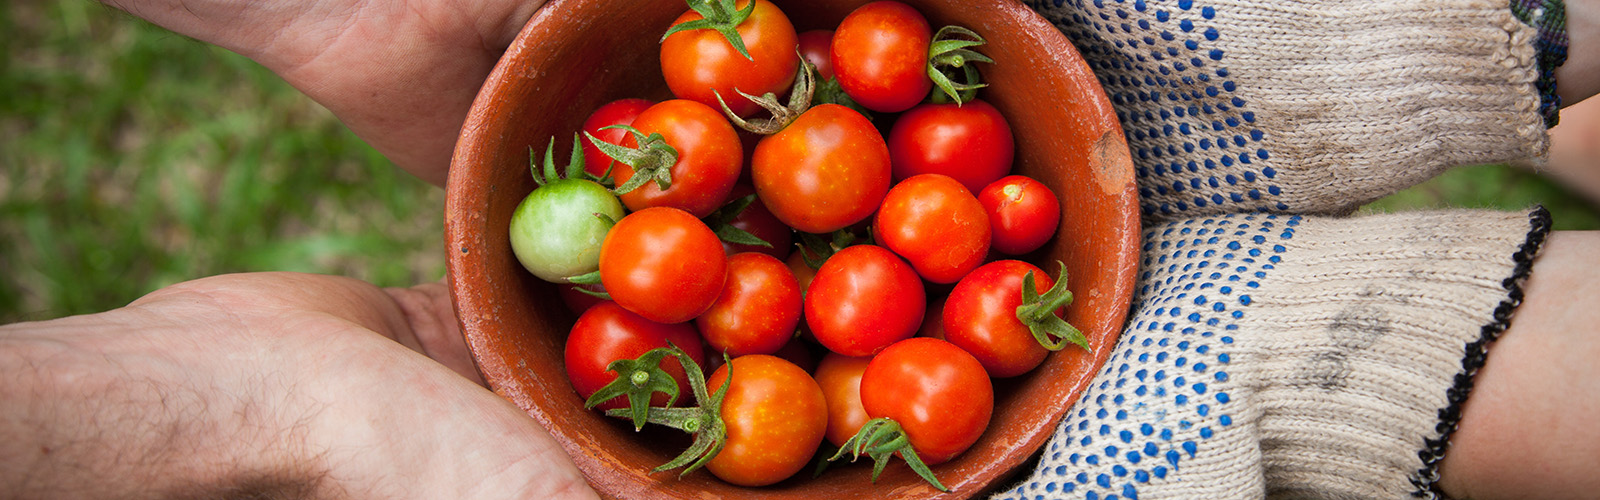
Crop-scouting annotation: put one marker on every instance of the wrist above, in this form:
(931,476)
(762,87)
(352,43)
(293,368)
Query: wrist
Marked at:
(97,407)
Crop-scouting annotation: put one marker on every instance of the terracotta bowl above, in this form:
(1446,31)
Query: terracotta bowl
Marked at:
(575,55)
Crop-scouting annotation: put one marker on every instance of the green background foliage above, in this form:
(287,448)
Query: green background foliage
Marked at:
(134,158)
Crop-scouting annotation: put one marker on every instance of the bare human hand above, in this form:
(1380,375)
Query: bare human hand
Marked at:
(400,73)
(268,385)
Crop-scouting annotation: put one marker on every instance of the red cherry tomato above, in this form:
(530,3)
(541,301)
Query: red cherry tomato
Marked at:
(939,394)
(699,64)
(970,142)
(775,415)
(710,158)
(618,112)
(981,317)
(663,264)
(1023,213)
(607,333)
(840,378)
(757,220)
(758,310)
(817,47)
(863,299)
(880,56)
(825,171)
(936,224)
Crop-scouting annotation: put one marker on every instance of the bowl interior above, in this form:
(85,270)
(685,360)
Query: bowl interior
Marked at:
(575,55)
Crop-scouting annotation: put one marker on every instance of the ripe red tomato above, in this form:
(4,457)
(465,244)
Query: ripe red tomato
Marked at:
(1023,213)
(840,378)
(697,63)
(618,112)
(970,142)
(710,158)
(939,394)
(817,47)
(758,310)
(663,264)
(981,317)
(758,221)
(827,170)
(936,224)
(880,56)
(775,415)
(863,299)
(607,332)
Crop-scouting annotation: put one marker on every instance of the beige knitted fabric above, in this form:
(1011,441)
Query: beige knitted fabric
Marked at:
(1292,357)
(1308,106)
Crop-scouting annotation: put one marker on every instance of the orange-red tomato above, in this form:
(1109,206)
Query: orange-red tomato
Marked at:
(1023,213)
(840,378)
(826,170)
(606,333)
(697,62)
(710,158)
(936,224)
(938,393)
(776,416)
(863,299)
(880,56)
(758,310)
(664,264)
(980,316)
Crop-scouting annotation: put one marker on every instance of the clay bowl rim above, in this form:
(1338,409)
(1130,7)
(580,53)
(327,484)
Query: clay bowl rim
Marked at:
(480,267)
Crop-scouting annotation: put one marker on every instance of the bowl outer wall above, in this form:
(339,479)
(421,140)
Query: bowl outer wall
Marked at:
(553,76)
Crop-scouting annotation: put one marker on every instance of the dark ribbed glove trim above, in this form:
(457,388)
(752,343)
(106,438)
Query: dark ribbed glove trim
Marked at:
(1426,479)
(1550,18)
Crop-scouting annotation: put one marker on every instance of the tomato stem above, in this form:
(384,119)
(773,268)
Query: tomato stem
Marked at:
(951,50)
(651,160)
(704,421)
(1038,312)
(799,101)
(721,16)
(881,438)
(644,378)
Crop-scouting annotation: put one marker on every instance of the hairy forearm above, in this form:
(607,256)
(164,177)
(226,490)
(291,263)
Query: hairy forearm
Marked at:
(94,408)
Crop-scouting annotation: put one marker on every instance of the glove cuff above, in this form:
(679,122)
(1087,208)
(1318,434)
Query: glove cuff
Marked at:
(1368,345)
(1549,17)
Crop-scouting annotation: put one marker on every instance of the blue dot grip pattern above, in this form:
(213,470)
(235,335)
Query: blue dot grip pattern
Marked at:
(1166,391)
(1194,138)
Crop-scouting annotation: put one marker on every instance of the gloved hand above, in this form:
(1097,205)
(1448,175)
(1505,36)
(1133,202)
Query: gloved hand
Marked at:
(1271,354)
(1289,355)
(1307,106)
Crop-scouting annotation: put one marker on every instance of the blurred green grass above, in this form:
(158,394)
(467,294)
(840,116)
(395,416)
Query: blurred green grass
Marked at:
(135,158)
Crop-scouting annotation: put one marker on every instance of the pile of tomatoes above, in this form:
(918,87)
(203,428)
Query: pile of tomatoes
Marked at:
(827,232)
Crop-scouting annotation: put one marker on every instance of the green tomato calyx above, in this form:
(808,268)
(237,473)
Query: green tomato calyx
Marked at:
(652,160)
(721,16)
(950,53)
(704,421)
(1038,313)
(880,438)
(805,85)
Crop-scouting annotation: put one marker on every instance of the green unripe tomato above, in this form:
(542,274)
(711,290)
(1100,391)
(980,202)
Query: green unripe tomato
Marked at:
(556,231)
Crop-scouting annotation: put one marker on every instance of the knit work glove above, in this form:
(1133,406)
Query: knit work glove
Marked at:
(1308,106)
(1274,355)
(1302,356)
